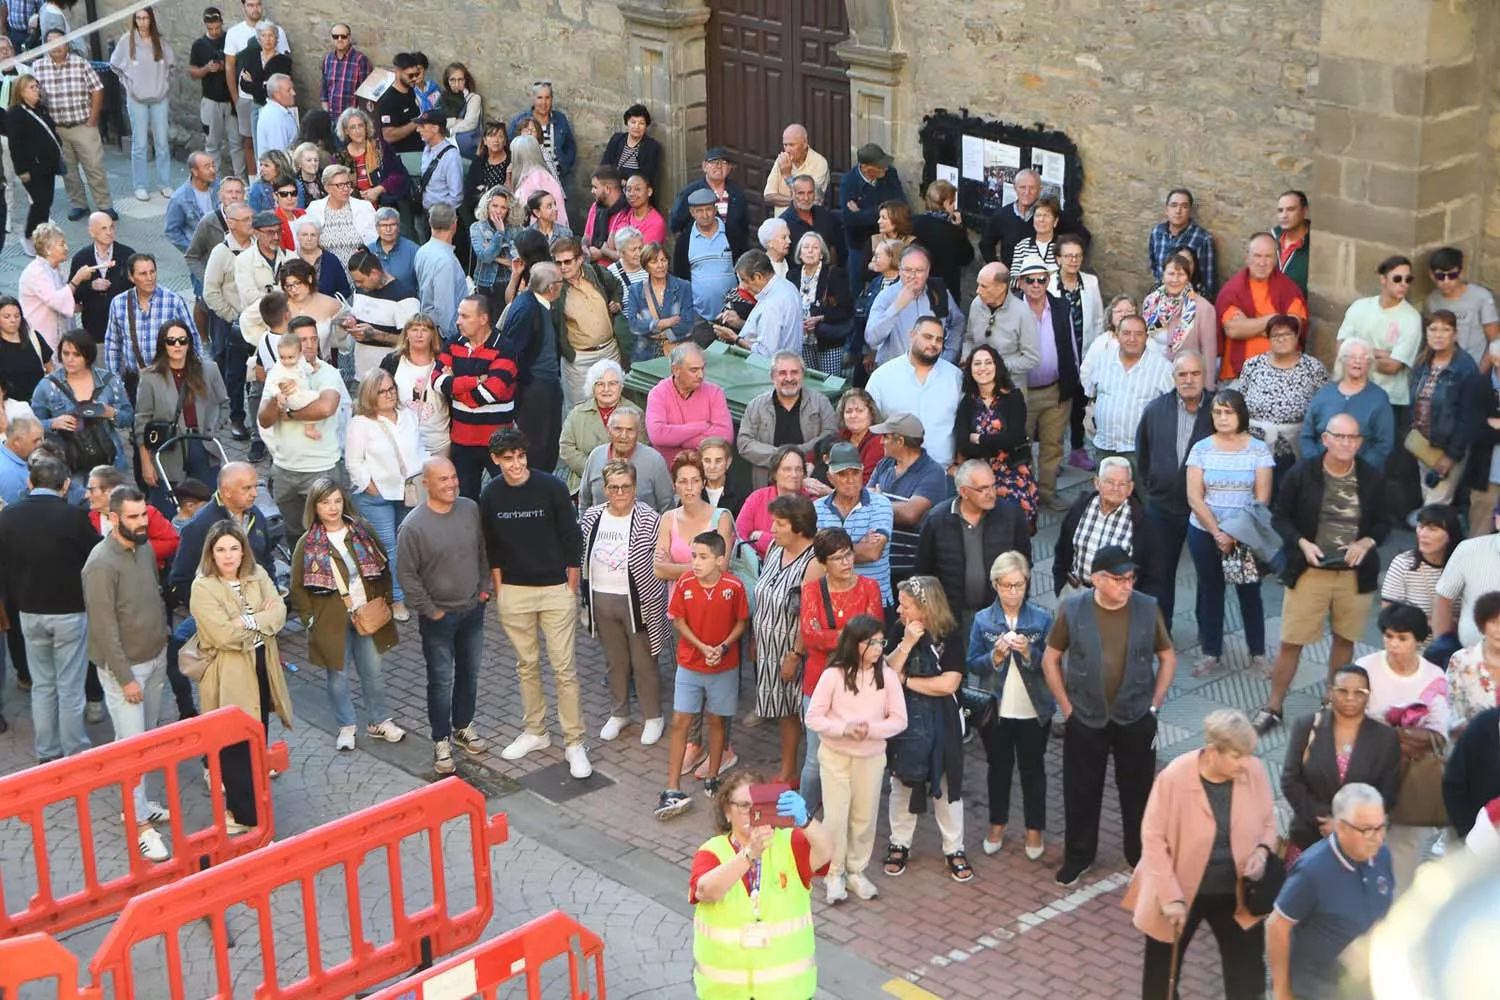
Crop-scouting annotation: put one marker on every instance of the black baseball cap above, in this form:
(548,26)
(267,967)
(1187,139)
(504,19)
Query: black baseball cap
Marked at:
(1114,560)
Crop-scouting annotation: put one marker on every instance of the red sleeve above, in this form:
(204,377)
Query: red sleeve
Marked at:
(802,851)
(499,384)
(816,635)
(162,536)
(675,608)
(741,602)
(703,863)
(874,605)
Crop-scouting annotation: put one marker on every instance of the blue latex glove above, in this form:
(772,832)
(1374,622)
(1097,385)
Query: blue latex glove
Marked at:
(789,803)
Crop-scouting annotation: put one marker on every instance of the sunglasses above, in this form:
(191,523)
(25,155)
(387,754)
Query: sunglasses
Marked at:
(339,38)
(1403,279)
(1446,275)
(287,193)
(1034,281)
(176,341)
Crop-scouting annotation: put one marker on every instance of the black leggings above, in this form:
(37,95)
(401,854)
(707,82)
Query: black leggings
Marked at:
(40,189)
(1242,951)
(239,782)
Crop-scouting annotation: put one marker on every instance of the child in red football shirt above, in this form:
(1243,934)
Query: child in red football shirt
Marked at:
(711,612)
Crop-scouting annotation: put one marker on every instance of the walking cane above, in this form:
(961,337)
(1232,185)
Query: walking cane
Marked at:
(1173,968)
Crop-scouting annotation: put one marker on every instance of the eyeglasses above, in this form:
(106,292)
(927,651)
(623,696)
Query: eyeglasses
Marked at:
(1125,578)
(986,488)
(874,640)
(1070,256)
(1012,586)
(738,804)
(1034,280)
(564,261)
(176,341)
(1446,275)
(340,184)
(1402,279)
(843,555)
(618,487)
(1368,831)
(1344,438)
(1110,484)
(389,390)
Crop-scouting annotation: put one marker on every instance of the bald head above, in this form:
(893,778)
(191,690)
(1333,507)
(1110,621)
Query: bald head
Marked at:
(237,473)
(437,465)
(238,485)
(994,284)
(101,229)
(794,142)
(1342,423)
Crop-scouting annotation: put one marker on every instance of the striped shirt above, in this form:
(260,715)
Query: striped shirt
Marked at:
(342,77)
(1473,570)
(1120,396)
(19,12)
(872,513)
(480,384)
(1228,476)
(1411,580)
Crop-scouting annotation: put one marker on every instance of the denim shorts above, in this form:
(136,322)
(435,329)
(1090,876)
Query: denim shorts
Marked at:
(695,690)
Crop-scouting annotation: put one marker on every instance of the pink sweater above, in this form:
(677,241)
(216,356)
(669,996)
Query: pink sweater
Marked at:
(674,423)
(834,707)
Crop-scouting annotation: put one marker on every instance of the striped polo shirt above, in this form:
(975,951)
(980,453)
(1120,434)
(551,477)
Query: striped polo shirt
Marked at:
(872,513)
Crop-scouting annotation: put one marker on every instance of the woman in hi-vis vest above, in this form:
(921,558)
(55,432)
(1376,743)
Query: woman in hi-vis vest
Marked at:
(752,893)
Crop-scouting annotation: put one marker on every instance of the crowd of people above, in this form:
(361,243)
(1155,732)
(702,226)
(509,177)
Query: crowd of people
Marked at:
(427,348)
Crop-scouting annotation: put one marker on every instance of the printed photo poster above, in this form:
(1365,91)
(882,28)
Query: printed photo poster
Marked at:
(1000,163)
(1053,168)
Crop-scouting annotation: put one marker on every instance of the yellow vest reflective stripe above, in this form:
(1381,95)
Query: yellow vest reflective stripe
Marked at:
(785,969)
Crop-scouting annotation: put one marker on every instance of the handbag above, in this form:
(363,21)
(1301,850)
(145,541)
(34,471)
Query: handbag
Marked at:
(1239,565)
(1258,896)
(158,432)
(1420,800)
(89,446)
(371,616)
(411,495)
(1422,449)
(193,660)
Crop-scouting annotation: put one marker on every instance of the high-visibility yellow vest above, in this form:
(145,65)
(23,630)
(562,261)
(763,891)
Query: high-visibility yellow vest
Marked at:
(785,969)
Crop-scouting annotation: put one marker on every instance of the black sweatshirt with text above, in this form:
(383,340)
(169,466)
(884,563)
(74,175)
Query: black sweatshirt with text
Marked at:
(531,530)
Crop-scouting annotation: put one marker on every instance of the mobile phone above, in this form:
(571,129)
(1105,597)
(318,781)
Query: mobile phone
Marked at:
(763,804)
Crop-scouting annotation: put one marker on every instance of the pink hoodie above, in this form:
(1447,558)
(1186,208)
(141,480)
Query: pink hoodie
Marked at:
(834,707)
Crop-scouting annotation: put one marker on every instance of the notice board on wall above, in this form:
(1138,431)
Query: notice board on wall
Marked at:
(981,158)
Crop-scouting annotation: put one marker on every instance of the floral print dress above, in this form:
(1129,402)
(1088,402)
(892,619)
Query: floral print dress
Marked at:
(1014,481)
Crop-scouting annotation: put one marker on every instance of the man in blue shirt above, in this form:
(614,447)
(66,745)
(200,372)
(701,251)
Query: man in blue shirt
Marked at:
(440,277)
(22,436)
(396,253)
(864,514)
(1336,892)
(441,181)
(908,471)
(861,193)
(705,255)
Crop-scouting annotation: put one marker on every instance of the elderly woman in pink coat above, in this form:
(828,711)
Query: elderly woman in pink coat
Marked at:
(45,291)
(1210,823)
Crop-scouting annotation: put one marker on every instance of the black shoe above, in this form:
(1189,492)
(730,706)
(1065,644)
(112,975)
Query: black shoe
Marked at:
(1266,720)
(77,214)
(238,431)
(1069,874)
(4,726)
(257,451)
(672,803)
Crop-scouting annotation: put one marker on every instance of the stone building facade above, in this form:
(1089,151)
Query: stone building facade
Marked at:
(1387,112)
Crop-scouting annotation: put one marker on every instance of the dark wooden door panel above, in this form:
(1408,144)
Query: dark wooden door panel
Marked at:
(770,63)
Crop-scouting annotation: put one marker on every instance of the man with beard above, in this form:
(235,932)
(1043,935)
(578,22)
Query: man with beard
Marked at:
(609,201)
(127,638)
(923,384)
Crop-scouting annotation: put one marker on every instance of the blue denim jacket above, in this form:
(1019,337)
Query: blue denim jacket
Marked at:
(49,402)
(678,301)
(1034,623)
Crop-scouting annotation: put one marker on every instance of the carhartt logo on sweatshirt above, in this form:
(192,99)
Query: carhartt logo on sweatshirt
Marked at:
(519,515)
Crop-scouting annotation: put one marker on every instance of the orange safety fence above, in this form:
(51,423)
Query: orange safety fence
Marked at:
(36,958)
(484,968)
(26,797)
(296,862)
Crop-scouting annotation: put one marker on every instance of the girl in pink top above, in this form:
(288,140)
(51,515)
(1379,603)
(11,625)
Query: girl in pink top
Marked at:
(856,706)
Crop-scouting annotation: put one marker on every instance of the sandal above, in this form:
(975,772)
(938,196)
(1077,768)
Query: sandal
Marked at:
(1206,666)
(896,859)
(958,867)
(1265,720)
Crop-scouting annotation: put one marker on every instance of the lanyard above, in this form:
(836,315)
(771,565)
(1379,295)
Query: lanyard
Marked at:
(754,874)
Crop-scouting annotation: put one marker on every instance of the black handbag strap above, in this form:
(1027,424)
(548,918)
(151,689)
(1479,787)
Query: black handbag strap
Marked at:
(135,344)
(432,167)
(828,604)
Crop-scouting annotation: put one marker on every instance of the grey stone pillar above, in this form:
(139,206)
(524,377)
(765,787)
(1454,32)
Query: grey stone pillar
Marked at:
(666,70)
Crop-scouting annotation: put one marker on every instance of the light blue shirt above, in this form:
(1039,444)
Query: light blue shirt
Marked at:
(889,329)
(872,513)
(440,285)
(13,476)
(775,324)
(446,185)
(711,266)
(276,128)
(896,389)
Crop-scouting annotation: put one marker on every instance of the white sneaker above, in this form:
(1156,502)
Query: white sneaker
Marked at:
(345,739)
(833,885)
(28,247)
(141,194)
(153,848)
(612,727)
(651,732)
(387,730)
(578,762)
(861,886)
(167,193)
(155,813)
(525,744)
(443,757)
(234,827)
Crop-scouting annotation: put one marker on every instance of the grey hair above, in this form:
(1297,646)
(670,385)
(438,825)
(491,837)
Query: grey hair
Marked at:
(1352,796)
(804,177)
(788,356)
(308,222)
(539,86)
(681,351)
(1116,462)
(333,172)
(1188,353)
(812,237)
(598,370)
(1009,562)
(276,81)
(1345,348)
(967,469)
(45,234)
(442,217)
(1035,174)
(21,424)
(387,214)
(625,234)
(1228,729)
(544,276)
(268,25)
(526,157)
(768,230)
(236,206)
(624,410)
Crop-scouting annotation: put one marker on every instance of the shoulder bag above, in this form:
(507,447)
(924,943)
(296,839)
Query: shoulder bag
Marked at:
(91,444)
(1420,801)
(371,616)
(411,495)
(426,177)
(158,432)
(194,661)
(132,376)
(1258,896)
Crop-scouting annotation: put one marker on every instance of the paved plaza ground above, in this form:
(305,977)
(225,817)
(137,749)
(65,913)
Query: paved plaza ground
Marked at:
(601,857)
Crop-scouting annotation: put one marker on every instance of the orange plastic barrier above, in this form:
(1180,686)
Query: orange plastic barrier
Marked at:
(484,968)
(26,795)
(296,861)
(35,958)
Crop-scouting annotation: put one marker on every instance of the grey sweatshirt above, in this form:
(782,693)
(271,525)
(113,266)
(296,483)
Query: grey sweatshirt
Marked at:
(440,558)
(127,620)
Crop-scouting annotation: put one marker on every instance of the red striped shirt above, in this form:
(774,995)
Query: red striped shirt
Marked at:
(480,385)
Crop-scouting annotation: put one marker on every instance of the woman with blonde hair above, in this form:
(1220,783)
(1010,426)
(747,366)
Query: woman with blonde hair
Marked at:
(47,295)
(492,242)
(348,223)
(143,62)
(239,613)
(927,760)
(1210,825)
(528,171)
(411,364)
(384,456)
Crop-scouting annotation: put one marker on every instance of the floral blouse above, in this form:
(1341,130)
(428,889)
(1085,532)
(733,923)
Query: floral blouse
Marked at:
(1471,687)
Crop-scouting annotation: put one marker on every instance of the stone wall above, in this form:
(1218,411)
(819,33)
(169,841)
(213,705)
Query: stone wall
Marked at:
(1213,96)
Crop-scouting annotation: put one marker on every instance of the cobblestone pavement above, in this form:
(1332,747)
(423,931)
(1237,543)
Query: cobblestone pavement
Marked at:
(602,858)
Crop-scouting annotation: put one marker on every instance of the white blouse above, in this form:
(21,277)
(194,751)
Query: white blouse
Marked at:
(371,453)
(414,386)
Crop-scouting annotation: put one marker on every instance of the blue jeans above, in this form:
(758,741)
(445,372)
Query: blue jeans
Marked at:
(366,658)
(385,516)
(1209,562)
(812,780)
(182,688)
(452,646)
(154,117)
(57,650)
